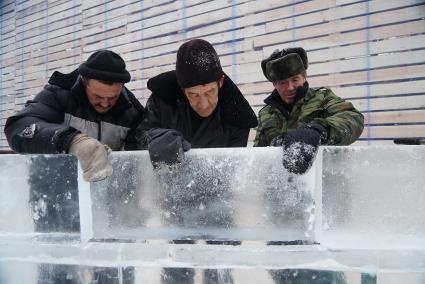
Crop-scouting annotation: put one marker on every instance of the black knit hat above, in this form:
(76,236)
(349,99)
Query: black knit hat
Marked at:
(281,65)
(105,65)
(197,64)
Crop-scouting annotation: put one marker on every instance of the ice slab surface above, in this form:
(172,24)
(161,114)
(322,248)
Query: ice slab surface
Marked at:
(245,214)
(40,194)
(373,197)
(215,194)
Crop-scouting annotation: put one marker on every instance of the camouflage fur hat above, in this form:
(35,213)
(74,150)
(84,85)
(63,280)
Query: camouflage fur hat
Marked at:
(281,65)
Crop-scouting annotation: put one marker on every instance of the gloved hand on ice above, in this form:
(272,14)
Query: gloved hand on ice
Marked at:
(300,147)
(167,147)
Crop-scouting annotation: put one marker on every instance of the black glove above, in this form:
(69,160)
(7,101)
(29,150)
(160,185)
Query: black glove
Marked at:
(167,146)
(300,147)
(277,141)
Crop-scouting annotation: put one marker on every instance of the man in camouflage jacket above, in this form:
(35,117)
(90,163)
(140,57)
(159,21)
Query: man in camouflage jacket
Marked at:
(302,118)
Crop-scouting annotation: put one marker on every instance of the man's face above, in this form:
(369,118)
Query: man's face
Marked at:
(204,98)
(287,88)
(102,96)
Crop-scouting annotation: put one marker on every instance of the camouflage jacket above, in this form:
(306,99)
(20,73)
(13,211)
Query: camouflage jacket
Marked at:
(321,105)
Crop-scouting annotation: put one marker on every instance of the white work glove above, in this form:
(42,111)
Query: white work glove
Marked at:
(93,157)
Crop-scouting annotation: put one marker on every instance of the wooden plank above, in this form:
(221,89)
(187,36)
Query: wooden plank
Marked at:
(166,13)
(52,12)
(406,116)
(412,26)
(67,15)
(52,53)
(29,13)
(5,5)
(151,29)
(51,60)
(66,41)
(252,71)
(363,22)
(103,28)
(68,25)
(284,17)
(383,89)
(209,11)
(73,31)
(161,34)
(97,6)
(7,49)
(330,14)
(394,131)
(27,60)
(377,75)
(145,64)
(350,38)
(253,7)
(344,79)
(7,30)
(368,48)
(390,103)
(48,29)
(87,5)
(362,63)
(24,5)
(7,11)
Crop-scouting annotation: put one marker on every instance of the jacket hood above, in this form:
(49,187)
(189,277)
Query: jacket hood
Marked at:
(234,108)
(65,81)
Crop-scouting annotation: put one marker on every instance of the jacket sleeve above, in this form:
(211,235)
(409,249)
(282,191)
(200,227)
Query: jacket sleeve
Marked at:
(268,128)
(151,120)
(344,121)
(260,139)
(38,127)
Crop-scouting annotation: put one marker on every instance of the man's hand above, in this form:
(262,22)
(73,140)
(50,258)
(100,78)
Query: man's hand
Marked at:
(93,157)
(300,147)
(167,146)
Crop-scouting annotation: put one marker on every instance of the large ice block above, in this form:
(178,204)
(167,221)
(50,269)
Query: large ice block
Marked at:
(373,197)
(39,194)
(356,217)
(214,194)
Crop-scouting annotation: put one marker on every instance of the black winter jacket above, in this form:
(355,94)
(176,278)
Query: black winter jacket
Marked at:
(49,122)
(168,108)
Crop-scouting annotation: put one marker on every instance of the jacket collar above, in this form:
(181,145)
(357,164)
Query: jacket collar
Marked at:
(274,100)
(235,109)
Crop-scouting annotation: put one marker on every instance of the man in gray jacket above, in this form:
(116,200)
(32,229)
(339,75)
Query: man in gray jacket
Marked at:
(86,113)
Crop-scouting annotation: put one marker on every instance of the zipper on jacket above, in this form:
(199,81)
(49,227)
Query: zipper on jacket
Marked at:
(99,134)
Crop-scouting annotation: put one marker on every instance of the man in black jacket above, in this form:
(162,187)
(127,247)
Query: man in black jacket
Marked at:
(195,106)
(79,113)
